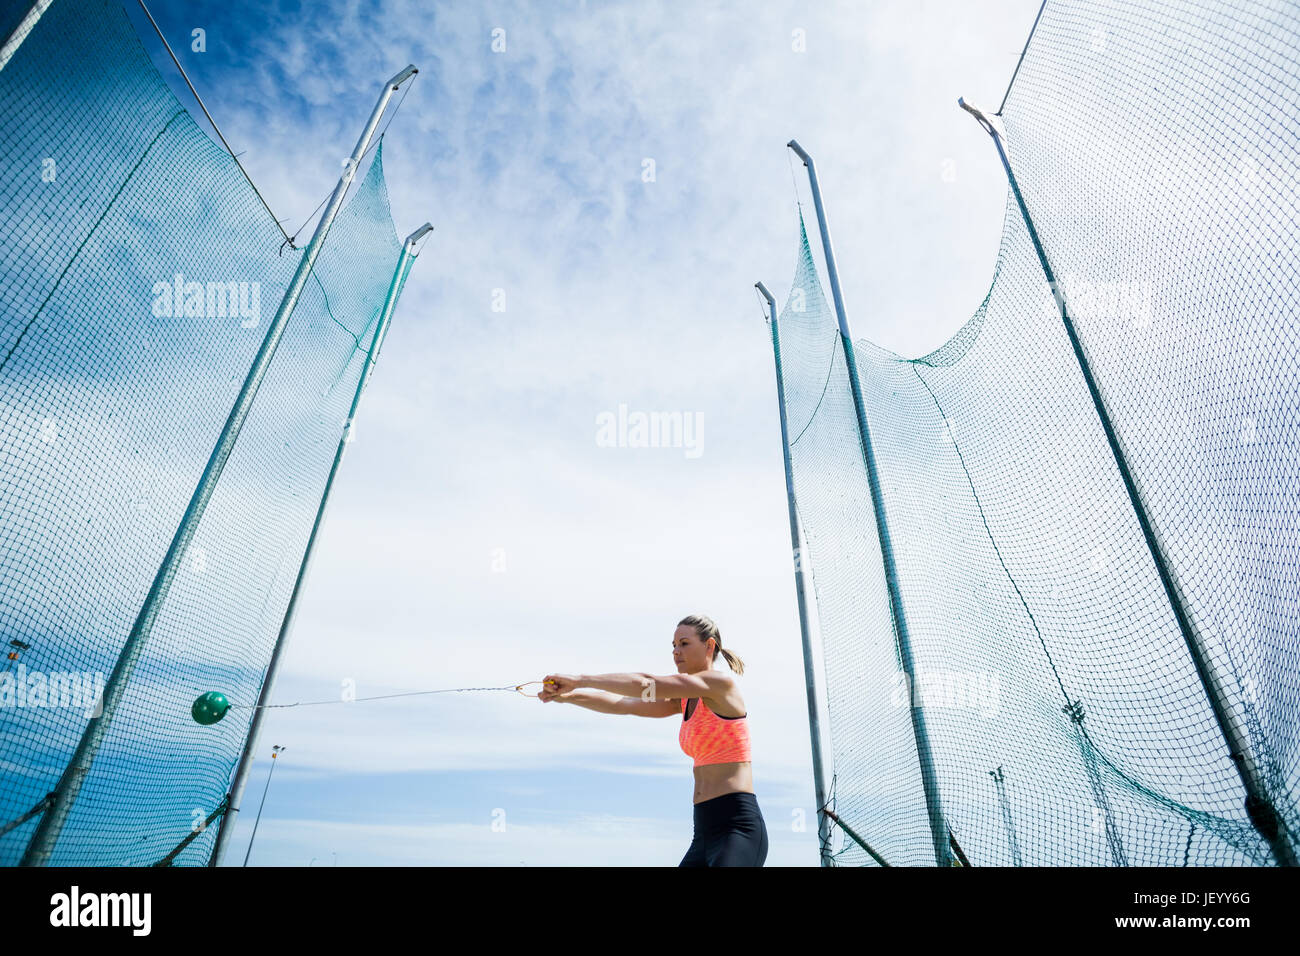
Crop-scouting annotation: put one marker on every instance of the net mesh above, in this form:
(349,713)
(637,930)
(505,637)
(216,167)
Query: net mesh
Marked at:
(142,273)
(1155,148)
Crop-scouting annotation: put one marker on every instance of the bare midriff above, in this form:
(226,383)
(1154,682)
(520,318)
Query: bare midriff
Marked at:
(715,779)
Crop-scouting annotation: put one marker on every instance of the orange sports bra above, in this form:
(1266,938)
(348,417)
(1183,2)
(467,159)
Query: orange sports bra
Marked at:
(713,739)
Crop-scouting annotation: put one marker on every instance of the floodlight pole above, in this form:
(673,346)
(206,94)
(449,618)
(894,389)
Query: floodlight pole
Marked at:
(275,752)
(236,795)
(943,855)
(809,672)
(1263,816)
(47,832)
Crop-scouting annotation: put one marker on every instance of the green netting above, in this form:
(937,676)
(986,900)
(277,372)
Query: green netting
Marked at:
(1156,149)
(110,405)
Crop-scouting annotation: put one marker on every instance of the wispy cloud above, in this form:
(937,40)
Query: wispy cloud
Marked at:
(477,438)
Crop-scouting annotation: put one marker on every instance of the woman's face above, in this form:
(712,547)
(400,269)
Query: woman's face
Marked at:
(689,653)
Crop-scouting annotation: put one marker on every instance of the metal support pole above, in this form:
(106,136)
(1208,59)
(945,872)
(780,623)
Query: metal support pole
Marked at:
(19,33)
(959,854)
(809,673)
(236,795)
(1263,816)
(193,835)
(861,842)
(47,831)
(929,780)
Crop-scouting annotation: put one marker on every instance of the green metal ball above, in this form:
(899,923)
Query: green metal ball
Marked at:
(210,707)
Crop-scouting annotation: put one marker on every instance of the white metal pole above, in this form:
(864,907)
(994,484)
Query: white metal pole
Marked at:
(228,819)
(809,670)
(19,33)
(929,781)
(48,830)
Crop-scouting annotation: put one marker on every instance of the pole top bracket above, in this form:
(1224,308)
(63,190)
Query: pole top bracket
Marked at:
(991,122)
(415,237)
(402,77)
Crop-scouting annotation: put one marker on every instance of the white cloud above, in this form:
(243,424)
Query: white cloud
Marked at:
(477,431)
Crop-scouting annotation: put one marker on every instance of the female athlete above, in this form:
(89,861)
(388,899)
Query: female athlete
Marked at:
(729,828)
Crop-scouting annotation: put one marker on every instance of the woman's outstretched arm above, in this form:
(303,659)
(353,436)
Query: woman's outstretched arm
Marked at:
(604,702)
(597,700)
(646,686)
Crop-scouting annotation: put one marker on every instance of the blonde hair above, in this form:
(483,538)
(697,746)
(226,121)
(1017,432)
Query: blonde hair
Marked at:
(706,629)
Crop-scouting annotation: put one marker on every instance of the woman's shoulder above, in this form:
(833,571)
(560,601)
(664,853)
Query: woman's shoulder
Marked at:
(722,683)
(727,698)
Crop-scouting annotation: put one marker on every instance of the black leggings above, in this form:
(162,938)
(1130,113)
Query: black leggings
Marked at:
(729,831)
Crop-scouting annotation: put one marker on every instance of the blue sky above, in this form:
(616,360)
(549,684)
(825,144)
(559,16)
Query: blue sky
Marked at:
(478,533)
